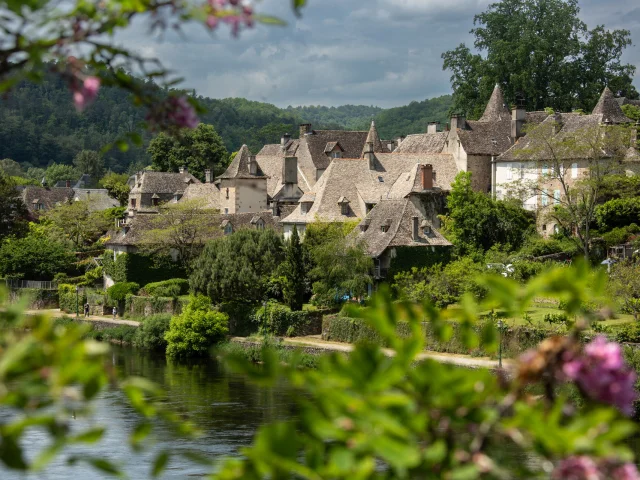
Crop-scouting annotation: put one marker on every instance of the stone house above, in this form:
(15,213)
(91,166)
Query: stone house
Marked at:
(149,189)
(40,199)
(242,188)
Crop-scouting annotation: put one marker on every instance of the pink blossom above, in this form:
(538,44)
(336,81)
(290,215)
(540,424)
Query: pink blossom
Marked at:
(576,468)
(174,112)
(86,95)
(628,471)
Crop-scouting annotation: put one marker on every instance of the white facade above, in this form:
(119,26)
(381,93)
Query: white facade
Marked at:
(517,179)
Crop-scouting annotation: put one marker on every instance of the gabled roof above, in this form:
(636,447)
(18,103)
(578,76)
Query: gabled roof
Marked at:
(496,110)
(316,141)
(162,183)
(610,109)
(397,216)
(331,146)
(423,143)
(98,198)
(239,168)
(48,197)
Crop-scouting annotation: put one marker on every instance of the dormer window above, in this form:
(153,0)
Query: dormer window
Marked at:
(154,200)
(336,154)
(384,228)
(305,207)
(228,228)
(380,179)
(344,206)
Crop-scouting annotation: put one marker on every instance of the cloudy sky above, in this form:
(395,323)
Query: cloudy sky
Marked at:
(371,52)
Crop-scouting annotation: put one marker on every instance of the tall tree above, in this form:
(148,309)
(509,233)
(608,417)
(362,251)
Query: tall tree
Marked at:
(117,186)
(91,163)
(81,226)
(13,212)
(59,172)
(541,50)
(196,149)
(294,272)
(11,167)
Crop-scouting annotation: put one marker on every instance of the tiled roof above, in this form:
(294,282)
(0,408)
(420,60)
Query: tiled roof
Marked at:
(397,215)
(351,142)
(486,138)
(239,168)
(352,178)
(98,199)
(208,193)
(496,110)
(48,197)
(627,101)
(610,109)
(374,138)
(423,143)
(163,182)
(140,224)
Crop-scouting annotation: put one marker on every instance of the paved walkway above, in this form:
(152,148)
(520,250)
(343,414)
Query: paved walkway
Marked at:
(314,341)
(92,318)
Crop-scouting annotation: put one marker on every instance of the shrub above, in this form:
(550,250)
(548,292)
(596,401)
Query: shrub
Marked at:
(628,334)
(555,318)
(620,235)
(196,329)
(120,334)
(282,321)
(150,334)
(119,291)
(68,299)
(167,288)
(618,213)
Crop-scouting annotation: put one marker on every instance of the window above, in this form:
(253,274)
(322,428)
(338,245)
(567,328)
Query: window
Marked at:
(304,207)
(556,197)
(228,229)
(545,169)
(227,194)
(545,198)
(154,201)
(574,170)
(344,208)
(521,171)
(337,154)
(384,228)
(560,170)
(226,211)
(509,172)
(544,227)
(260,225)
(133,203)
(380,179)
(433,176)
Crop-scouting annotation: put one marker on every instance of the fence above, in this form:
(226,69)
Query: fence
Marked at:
(38,284)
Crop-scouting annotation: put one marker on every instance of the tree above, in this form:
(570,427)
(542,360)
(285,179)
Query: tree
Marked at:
(117,186)
(196,330)
(196,149)
(57,172)
(539,49)
(598,149)
(625,287)
(182,229)
(81,226)
(294,271)
(11,167)
(237,268)
(91,163)
(13,212)
(341,265)
(34,257)
(476,222)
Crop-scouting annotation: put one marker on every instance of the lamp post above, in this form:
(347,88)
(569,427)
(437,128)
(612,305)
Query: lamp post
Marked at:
(500,325)
(77,292)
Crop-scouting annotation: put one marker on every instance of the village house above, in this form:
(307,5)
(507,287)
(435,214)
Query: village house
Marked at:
(149,189)
(532,169)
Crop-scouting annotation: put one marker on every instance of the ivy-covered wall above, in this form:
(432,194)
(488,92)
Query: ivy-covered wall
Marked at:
(38,298)
(139,268)
(408,257)
(139,307)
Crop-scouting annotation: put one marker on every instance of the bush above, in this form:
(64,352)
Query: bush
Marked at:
(120,334)
(620,235)
(618,213)
(628,334)
(282,321)
(150,334)
(523,270)
(167,288)
(68,299)
(142,307)
(118,292)
(556,318)
(196,329)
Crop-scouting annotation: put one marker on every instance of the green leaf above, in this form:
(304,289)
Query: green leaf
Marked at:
(104,466)
(160,463)
(90,436)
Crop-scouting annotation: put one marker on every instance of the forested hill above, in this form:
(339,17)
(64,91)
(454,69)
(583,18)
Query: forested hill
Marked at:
(39,125)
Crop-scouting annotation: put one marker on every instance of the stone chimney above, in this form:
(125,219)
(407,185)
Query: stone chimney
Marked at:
(68,183)
(253,165)
(433,127)
(416,229)
(286,138)
(426,176)
(369,155)
(290,170)
(207,176)
(518,117)
(458,121)
(183,169)
(399,141)
(305,128)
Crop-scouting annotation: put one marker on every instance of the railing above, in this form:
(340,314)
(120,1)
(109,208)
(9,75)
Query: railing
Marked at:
(39,284)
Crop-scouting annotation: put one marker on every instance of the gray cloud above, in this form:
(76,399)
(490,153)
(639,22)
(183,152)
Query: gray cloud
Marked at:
(372,52)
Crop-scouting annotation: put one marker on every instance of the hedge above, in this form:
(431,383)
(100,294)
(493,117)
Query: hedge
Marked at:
(167,288)
(137,307)
(516,340)
(139,268)
(68,300)
(280,320)
(38,298)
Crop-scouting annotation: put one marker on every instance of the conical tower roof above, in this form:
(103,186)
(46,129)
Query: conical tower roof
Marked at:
(496,109)
(239,167)
(374,138)
(609,108)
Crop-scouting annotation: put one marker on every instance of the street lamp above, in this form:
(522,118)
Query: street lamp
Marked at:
(500,326)
(77,292)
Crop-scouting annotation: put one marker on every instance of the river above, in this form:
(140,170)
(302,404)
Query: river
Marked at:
(225,406)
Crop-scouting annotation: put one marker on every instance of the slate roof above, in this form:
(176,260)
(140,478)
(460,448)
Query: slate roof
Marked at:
(373,137)
(486,138)
(163,182)
(49,197)
(496,110)
(239,168)
(316,141)
(610,109)
(98,198)
(140,224)
(398,216)
(208,193)
(423,143)
(627,101)
(352,179)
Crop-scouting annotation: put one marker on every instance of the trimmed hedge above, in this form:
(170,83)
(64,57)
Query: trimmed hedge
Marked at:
(137,307)
(139,268)
(38,299)
(516,340)
(167,288)
(118,293)
(282,321)
(68,300)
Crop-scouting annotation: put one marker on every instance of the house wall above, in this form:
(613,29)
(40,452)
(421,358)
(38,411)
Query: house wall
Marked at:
(480,167)
(521,177)
(288,230)
(228,205)
(251,195)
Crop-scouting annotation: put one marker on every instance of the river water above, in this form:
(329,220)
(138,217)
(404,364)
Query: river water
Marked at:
(225,406)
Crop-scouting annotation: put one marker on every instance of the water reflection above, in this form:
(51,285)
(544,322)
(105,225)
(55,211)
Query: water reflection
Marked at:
(225,406)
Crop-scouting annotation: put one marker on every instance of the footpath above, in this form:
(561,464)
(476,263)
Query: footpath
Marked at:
(313,343)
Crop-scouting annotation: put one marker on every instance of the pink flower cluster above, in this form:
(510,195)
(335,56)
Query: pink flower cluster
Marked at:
(174,112)
(231,12)
(585,468)
(85,94)
(601,373)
